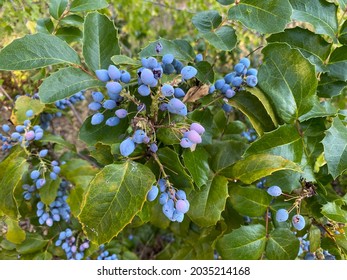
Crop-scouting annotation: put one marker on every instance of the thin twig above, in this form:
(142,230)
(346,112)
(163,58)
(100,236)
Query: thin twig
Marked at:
(6,94)
(72,107)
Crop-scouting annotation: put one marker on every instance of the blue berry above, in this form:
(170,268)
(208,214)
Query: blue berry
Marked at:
(179,93)
(113,121)
(113,88)
(153,147)
(252,71)
(245,61)
(274,191)
(30,135)
(239,68)
(163,198)
(109,104)
(198,57)
(282,215)
(35,174)
(176,106)
(94,106)
(147,76)
(97,96)
(193,136)
(227,108)
(114,73)
(219,84)
(125,77)
(127,147)
(237,81)
(167,90)
(153,193)
(102,75)
(251,80)
(186,143)
(5,128)
(43,153)
(139,136)
(298,222)
(168,58)
(182,206)
(29,113)
(121,113)
(188,72)
(144,90)
(97,119)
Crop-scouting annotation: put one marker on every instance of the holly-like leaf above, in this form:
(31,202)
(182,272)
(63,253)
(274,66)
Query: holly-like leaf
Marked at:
(257,166)
(249,12)
(223,38)
(249,201)
(12,169)
(285,141)
(33,243)
(197,164)
(311,45)
(329,86)
(87,5)
(36,51)
(288,80)
(252,107)
(207,204)
(244,243)
(69,34)
(338,63)
(124,60)
(57,7)
(335,148)
(207,20)
(321,14)
(121,191)
(100,41)
(64,83)
(319,110)
(333,211)
(282,245)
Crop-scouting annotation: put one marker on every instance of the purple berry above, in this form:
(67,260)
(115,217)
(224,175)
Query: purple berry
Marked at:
(153,147)
(30,135)
(194,137)
(182,206)
(198,128)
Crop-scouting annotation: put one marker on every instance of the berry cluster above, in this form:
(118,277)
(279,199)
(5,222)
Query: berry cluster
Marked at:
(105,255)
(192,137)
(23,134)
(250,135)
(69,244)
(235,80)
(129,144)
(174,202)
(113,78)
(57,210)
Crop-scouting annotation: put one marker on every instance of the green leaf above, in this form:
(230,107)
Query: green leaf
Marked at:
(255,167)
(25,103)
(226,2)
(73,20)
(43,256)
(252,107)
(225,153)
(314,238)
(33,243)
(49,192)
(285,141)
(249,201)
(343,4)
(15,233)
(69,34)
(207,20)
(12,169)
(198,251)
(100,41)
(244,243)
(207,204)
(36,51)
(333,211)
(338,63)
(335,148)
(329,87)
(102,153)
(312,46)
(205,72)
(57,7)
(56,139)
(92,134)
(223,38)
(319,110)
(121,191)
(197,164)
(44,25)
(87,5)
(261,15)
(64,83)
(79,172)
(320,14)
(124,60)
(174,168)
(287,180)
(292,93)
(282,245)
(343,34)
(178,48)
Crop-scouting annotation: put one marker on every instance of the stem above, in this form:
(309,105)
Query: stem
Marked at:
(78,117)
(267,222)
(161,167)
(6,94)
(258,48)
(213,101)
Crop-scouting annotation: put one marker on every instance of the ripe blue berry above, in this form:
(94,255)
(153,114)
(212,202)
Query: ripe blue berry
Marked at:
(245,61)
(298,222)
(179,93)
(29,113)
(219,84)
(113,121)
(237,81)
(188,72)
(182,206)
(251,80)
(147,76)
(144,90)
(97,96)
(282,215)
(139,136)
(176,106)
(97,119)
(121,113)
(153,193)
(186,143)
(198,57)
(252,71)
(109,104)
(30,135)
(274,191)
(239,68)
(167,90)
(114,73)
(168,59)
(34,174)
(153,147)
(114,88)
(127,147)
(102,75)
(5,128)
(94,106)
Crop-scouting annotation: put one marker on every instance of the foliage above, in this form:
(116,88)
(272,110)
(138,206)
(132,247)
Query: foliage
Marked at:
(183,157)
